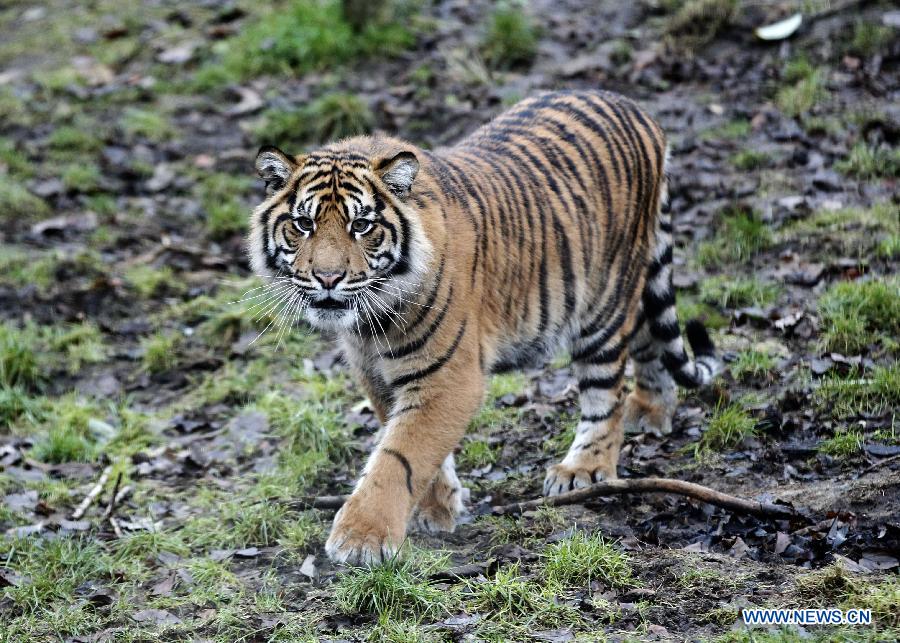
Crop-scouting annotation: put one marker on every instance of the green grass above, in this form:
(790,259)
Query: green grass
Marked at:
(752,363)
(740,235)
(688,307)
(696,23)
(397,588)
(843,444)
(727,428)
(16,202)
(16,404)
(749,160)
(511,38)
(160,352)
(735,292)
(330,117)
(804,94)
(476,454)
(79,344)
(583,558)
(146,124)
(71,431)
(859,230)
(869,38)
(223,198)
(871,162)
(83,177)
(734,129)
(858,315)
(305,36)
(148,281)
(872,393)
(19,364)
(67,139)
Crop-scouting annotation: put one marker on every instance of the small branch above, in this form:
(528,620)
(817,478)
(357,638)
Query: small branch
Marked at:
(115,501)
(611,488)
(655,485)
(879,464)
(95,491)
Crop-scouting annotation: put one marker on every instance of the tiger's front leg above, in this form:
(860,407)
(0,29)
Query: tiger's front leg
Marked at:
(418,438)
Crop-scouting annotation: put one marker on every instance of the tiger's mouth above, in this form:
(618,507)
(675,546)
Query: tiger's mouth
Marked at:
(330,303)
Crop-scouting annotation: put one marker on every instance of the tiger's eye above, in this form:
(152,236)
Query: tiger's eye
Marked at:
(305,224)
(360,226)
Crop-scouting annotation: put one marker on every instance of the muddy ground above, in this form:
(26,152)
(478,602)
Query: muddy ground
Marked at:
(127,133)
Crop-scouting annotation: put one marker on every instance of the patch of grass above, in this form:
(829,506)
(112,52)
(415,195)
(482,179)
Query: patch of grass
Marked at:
(513,529)
(83,177)
(735,129)
(19,365)
(511,39)
(80,344)
(889,247)
(871,162)
(149,281)
(146,124)
(843,444)
(160,352)
(222,196)
(306,36)
(697,22)
(511,600)
(147,545)
(873,394)
(16,404)
(476,454)
(856,315)
(869,38)
(740,235)
(688,307)
(16,202)
(333,116)
(804,94)
(67,139)
(752,363)
(14,160)
(299,532)
(727,292)
(397,588)
(855,229)
(749,160)
(72,429)
(52,568)
(583,558)
(727,428)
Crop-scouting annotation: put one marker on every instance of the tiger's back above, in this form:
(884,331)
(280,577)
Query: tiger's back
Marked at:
(544,229)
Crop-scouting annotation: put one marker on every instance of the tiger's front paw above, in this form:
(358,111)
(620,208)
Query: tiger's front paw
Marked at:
(363,536)
(566,477)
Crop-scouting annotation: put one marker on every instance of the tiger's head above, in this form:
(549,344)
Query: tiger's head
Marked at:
(338,233)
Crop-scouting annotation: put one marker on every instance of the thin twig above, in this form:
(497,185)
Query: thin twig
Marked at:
(95,491)
(656,485)
(116,501)
(616,487)
(117,530)
(879,464)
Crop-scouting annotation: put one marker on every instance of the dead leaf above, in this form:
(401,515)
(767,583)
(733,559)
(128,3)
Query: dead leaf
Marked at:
(157,617)
(308,568)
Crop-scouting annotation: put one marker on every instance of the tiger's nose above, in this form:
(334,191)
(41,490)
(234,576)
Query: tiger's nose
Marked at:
(328,279)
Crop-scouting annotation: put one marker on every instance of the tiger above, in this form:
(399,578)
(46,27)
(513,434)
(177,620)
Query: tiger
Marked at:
(545,230)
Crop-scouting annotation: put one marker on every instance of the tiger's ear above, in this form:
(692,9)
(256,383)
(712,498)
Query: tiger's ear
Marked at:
(274,167)
(399,172)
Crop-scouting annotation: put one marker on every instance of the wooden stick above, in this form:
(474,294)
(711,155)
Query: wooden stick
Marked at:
(95,491)
(616,487)
(655,485)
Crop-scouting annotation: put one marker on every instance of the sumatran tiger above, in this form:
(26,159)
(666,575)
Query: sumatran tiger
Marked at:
(544,230)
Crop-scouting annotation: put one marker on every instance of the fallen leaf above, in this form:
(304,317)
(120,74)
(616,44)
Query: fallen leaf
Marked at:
(158,617)
(781,29)
(308,568)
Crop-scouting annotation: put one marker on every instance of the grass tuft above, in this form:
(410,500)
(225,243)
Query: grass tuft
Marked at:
(857,315)
(160,352)
(397,588)
(740,235)
(697,22)
(749,160)
(728,292)
(804,94)
(728,427)
(329,117)
(19,365)
(752,363)
(583,558)
(16,202)
(843,444)
(871,162)
(877,393)
(511,39)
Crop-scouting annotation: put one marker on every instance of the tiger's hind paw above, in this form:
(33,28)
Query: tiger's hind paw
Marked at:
(643,414)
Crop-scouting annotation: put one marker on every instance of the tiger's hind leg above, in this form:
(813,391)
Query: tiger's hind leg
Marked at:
(442,503)
(594,452)
(650,406)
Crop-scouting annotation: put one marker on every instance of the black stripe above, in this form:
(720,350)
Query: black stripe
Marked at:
(434,366)
(605,356)
(406,465)
(602,382)
(657,264)
(418,343)
(603,416)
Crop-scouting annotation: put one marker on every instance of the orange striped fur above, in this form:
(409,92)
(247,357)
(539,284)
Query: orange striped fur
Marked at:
(542,231)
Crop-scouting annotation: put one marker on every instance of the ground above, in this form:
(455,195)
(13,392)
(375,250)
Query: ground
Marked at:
(127,136)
